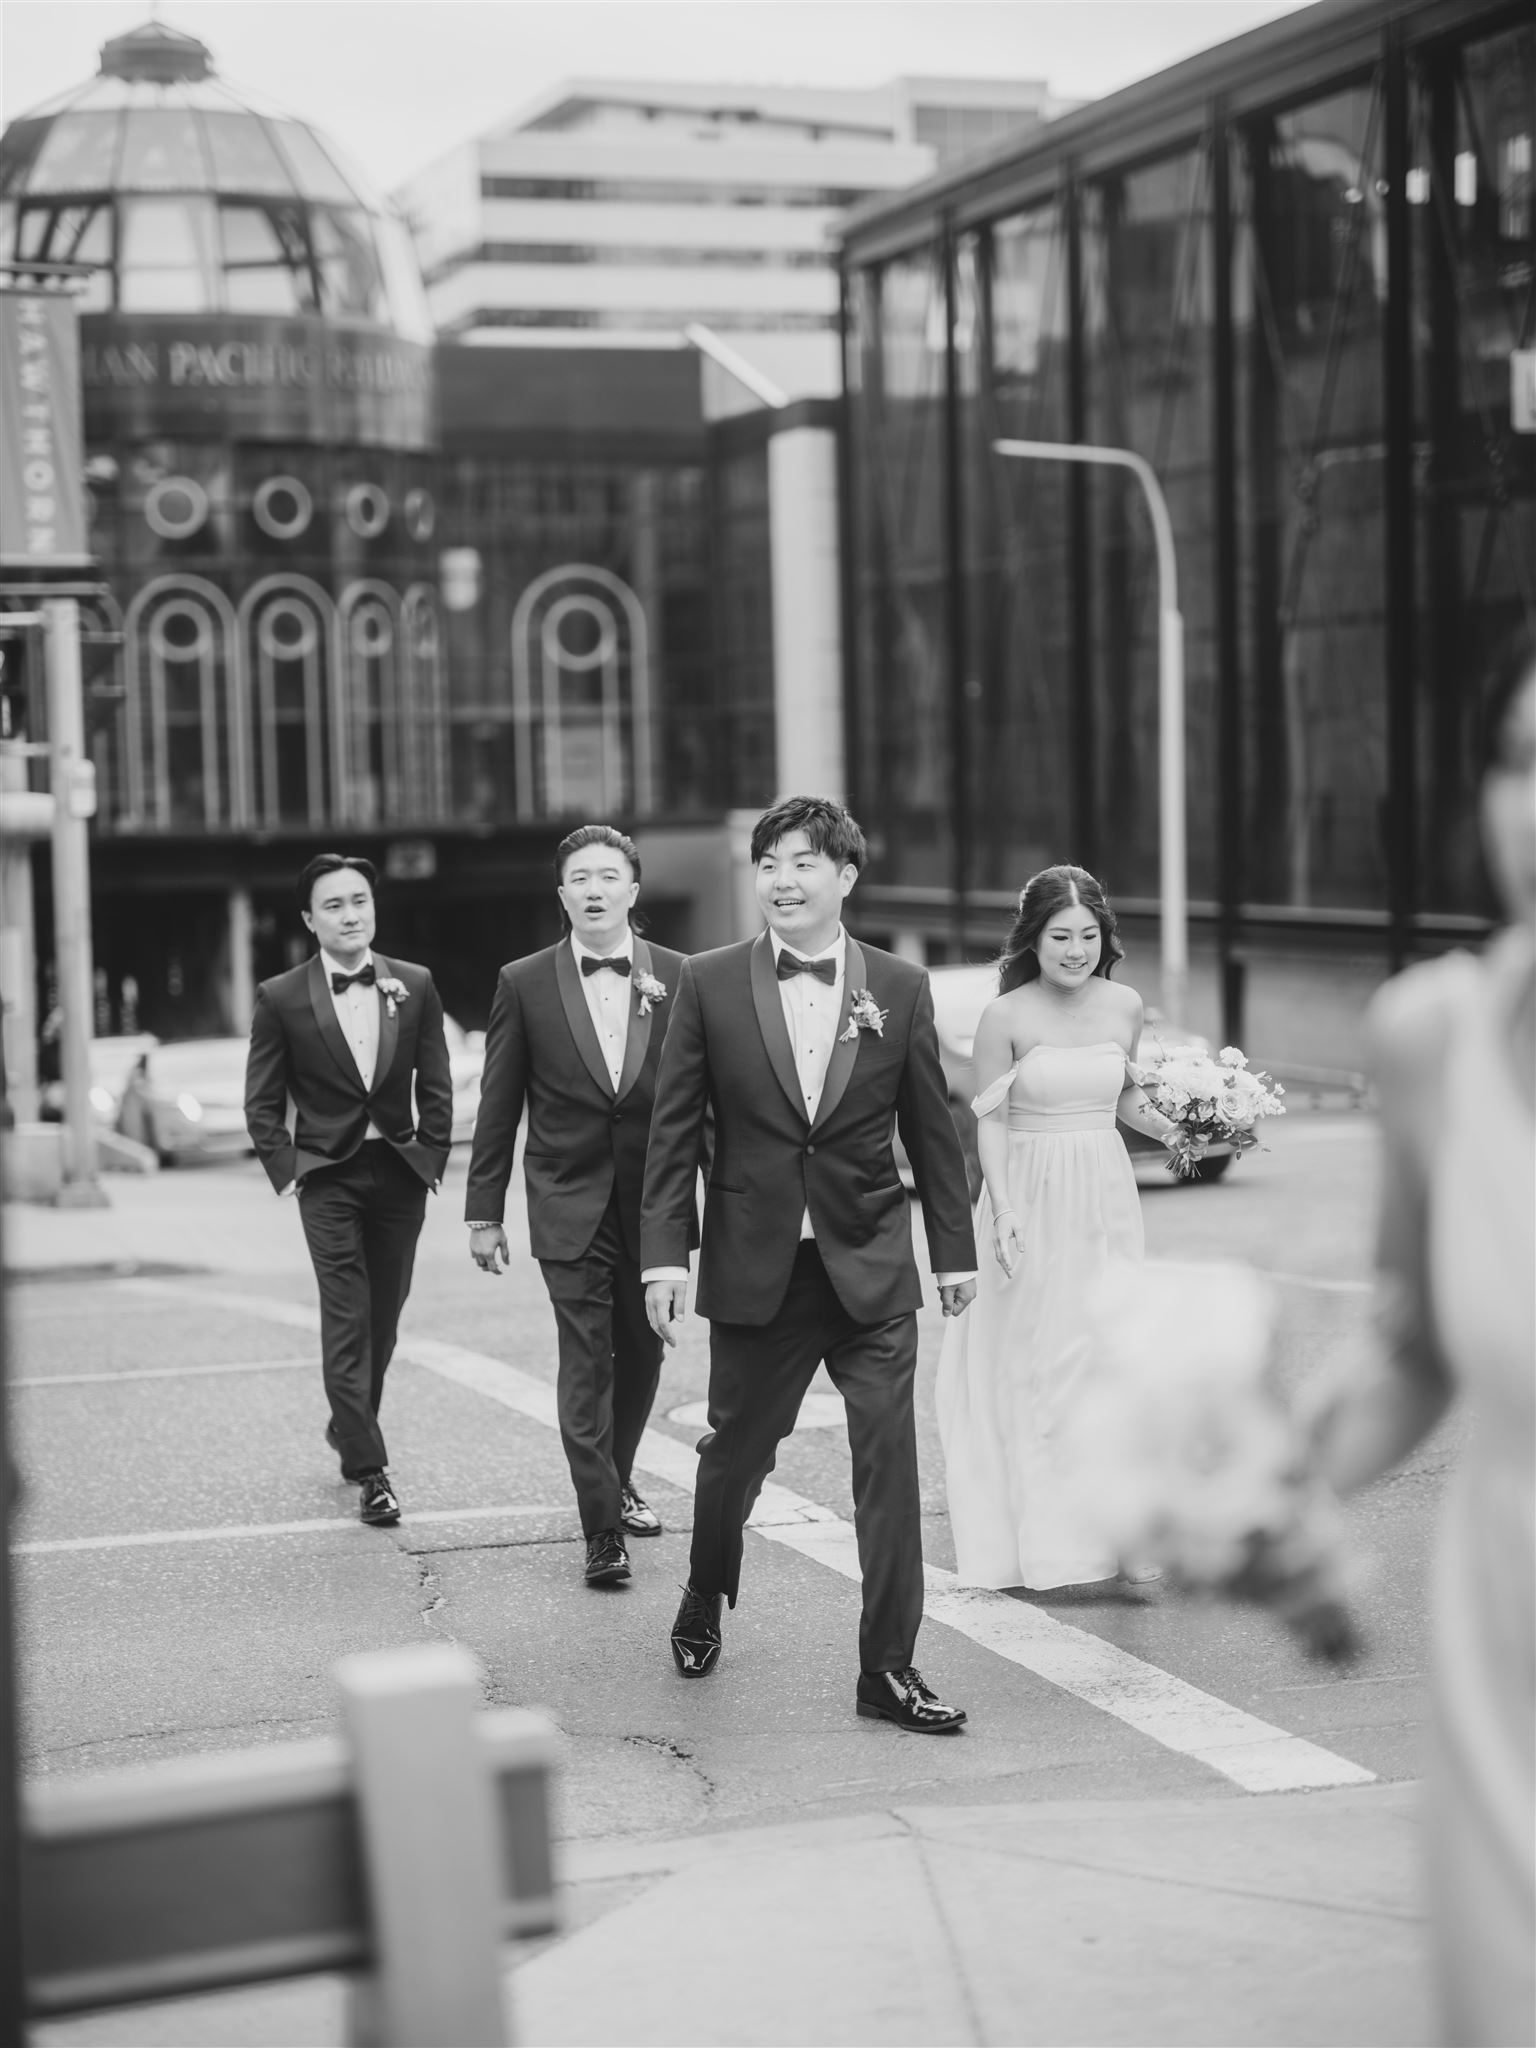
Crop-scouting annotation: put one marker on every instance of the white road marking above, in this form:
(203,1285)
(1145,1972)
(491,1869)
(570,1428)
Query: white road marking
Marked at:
(1319,1286)
(1252,1753)
(166,1372)
(320,1525)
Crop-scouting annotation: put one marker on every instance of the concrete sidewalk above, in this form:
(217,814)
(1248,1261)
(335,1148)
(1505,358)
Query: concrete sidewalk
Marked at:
(1286,1920)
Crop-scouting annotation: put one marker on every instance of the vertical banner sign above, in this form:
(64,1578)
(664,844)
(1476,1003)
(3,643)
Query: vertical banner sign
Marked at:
(42,453)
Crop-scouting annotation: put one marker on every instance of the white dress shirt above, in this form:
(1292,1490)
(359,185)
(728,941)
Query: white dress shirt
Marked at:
(608,1000)
(811,1011)
(357,1012)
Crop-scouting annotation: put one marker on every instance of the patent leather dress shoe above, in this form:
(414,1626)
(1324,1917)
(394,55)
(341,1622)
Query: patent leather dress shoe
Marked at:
(639,1518)
(607,1559)
(902,1697)
(696,1633)
(378,1506)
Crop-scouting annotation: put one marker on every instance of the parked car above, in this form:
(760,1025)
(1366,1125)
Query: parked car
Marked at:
(112,1061)
(466,1058)
(960,994)
(187,1101)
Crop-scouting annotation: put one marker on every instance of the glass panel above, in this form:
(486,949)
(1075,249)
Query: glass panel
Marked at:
(7,228)
(18,146)
(350,282)
(1148,345)
(249,234)
(316,176)
(1310,277)
(744,614)
(245,158)
(1016,532)
(902,773)
(79,155)
(166,256)
(163,152)
(1474,258)
(274,289)
(409,313)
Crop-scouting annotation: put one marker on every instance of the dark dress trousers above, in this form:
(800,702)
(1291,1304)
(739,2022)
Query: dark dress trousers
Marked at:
(361,1199)
(584,1167)
(777,1304)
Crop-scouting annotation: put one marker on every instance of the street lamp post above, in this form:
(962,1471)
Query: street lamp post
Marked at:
(1172,848)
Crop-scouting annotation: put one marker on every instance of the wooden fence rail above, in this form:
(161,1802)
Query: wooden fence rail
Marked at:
(405,1850)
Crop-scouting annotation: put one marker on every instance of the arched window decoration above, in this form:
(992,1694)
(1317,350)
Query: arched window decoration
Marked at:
(183,728)
(365,732)
(423,719)
(288,637)
(581,694)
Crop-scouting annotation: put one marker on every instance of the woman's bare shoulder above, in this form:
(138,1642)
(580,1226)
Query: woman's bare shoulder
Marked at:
(1409,1020)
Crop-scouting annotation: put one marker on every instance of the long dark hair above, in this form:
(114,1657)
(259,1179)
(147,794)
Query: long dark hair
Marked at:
(1041,897)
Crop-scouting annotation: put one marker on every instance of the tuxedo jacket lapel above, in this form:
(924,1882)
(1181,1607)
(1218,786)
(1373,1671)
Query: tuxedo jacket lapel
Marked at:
(389,1025)
(770,1019)
(845,1050)
(329,1024)
(579,1017)
(638,1036)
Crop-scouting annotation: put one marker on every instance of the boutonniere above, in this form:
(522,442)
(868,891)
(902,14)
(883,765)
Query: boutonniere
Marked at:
(392,990)
(650,991)
(866,1015)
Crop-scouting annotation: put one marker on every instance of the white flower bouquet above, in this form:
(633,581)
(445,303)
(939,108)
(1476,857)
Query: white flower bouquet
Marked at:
(1213,1100)
(1182,1450)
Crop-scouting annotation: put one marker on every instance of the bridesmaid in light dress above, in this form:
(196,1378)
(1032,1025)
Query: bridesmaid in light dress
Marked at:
(1455,1060)
(1058,1210)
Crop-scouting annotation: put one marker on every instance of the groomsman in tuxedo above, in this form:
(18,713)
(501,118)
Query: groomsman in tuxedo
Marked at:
(347,1038)
(575,1033)
(812,1049)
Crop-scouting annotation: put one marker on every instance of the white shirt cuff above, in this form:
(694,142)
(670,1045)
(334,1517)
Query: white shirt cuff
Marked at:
(663,1273)
(952,1279)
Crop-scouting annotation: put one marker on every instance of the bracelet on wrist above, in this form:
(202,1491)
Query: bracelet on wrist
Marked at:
(485,1226)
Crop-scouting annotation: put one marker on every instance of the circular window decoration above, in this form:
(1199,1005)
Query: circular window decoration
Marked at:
(176,508)
(179,631)
(286,630)
(282,507)
(373,632)
(420,514)
(367,511)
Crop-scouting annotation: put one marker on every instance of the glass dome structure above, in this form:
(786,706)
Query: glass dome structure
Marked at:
(186,198)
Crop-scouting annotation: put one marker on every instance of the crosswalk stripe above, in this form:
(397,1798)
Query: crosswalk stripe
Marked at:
(1251,1753)
(166,1372)
(318,1525)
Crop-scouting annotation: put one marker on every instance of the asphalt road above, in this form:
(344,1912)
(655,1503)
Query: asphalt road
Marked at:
(150,1410)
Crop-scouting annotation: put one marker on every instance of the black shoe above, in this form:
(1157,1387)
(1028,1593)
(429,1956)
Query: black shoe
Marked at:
(638,1518)
(378,1506)
(607,1559)
(902,1697)
(696,1633)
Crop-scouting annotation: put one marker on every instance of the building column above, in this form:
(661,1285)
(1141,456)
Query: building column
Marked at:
(242,979)
(27,817)
(807,624)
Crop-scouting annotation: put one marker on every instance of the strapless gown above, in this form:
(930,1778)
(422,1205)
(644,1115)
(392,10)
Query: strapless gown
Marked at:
(1481,1837)
(1011,1366)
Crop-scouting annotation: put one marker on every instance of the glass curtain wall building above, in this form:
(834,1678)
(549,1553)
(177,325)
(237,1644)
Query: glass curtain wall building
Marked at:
(1296,275)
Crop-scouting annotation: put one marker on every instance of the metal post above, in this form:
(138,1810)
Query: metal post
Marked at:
(429,1847)
(1173,856)
(242,980)
(1401,568)
(74,802)
(956,657)
(1229,686)
(12,1987)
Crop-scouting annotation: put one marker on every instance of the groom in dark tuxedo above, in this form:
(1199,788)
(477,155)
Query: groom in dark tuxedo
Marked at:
(346,1038)
(812,1050)
(575,1033)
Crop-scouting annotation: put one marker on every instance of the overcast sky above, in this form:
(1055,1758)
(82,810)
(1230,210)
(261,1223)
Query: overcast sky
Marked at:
(400,81)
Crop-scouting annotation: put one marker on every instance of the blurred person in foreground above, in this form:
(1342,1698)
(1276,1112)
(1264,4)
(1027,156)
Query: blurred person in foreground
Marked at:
(355,1043)
(1454,1044)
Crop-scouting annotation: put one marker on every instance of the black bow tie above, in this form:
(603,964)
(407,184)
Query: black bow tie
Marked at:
(365,977)
(619,963)
(790,964)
